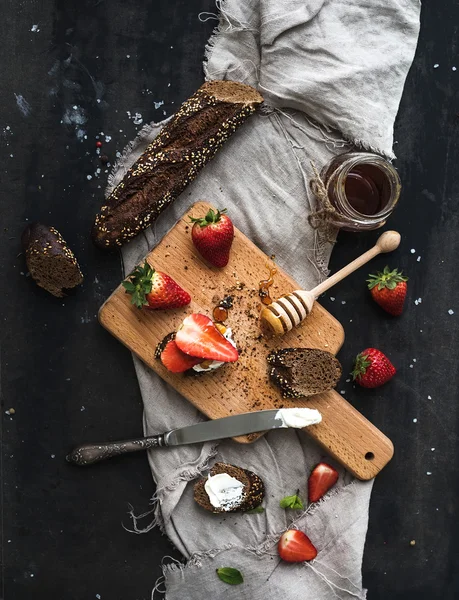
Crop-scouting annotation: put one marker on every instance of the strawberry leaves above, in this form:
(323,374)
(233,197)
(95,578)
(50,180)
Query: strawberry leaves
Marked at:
(230,575)
(294,502)
(362,362)
(386,279)
(140,284)
(211,217)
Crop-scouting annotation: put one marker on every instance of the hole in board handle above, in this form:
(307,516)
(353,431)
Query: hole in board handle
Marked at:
(369,456)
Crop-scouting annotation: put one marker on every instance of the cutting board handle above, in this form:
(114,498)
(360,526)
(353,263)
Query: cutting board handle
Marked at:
(349,437)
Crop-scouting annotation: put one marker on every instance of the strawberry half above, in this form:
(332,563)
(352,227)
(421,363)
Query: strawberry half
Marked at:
(213,236)
(295,546)
(199,337)
(323,477)
(388,289)
(372,368)
(154,289)
(173,358)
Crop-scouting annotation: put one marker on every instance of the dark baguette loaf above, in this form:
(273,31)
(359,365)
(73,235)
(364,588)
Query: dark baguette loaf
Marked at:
(300,372)
(174,158)
(252,493)
(51,263)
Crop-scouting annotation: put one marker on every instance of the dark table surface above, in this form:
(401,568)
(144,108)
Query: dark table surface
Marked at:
(69,381)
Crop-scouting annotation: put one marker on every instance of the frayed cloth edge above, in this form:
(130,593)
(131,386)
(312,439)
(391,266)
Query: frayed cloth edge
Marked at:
(156,499)
(262,548)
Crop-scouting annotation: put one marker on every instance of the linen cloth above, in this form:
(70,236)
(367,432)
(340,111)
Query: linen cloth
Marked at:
(332,74)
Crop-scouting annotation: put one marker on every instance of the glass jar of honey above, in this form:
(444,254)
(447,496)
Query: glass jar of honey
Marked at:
(363,189)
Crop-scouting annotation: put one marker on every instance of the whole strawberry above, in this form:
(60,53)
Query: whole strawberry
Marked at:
(213,236)
(388,289)
(155,290)
(372,368)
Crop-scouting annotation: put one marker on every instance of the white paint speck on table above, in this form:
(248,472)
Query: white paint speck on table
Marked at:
(412,250)
(451,311)
(436,65)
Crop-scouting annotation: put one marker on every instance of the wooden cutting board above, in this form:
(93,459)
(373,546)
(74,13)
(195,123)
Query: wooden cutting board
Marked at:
(244,386)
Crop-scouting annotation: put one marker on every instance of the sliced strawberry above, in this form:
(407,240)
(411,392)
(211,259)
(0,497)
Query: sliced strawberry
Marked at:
(199,337)
(173,358)
(322,478)
(295,546)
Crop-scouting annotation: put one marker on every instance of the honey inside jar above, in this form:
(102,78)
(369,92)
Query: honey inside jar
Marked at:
(367,189)
(363,189)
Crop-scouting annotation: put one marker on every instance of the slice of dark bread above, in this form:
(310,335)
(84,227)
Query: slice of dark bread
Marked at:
(303,372)
(252,493)
(51,263)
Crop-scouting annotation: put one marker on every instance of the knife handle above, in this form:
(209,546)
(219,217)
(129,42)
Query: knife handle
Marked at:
(88,454)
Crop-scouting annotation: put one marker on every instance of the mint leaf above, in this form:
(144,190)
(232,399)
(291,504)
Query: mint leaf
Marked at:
(257,509)
(230,575)
(293,502)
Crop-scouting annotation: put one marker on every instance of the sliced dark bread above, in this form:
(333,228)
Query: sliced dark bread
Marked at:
(252,493)
(300,372)
(163,343)
(51,263)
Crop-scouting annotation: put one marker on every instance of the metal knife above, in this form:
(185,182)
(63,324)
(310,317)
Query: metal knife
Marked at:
(218,429)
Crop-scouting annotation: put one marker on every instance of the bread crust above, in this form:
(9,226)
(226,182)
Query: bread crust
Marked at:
(51,263)
(174,158)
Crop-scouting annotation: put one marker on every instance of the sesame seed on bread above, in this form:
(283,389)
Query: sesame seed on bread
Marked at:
(300,372)
(252,494)
(51,263)
(173,159)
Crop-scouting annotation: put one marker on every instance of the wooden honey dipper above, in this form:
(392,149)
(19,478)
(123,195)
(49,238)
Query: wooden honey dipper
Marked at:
(290,310)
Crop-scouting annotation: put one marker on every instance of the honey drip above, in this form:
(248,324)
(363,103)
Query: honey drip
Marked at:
(220,312)
(264,285)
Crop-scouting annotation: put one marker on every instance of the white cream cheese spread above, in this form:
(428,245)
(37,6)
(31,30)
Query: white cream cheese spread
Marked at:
(298,417)
(224,491)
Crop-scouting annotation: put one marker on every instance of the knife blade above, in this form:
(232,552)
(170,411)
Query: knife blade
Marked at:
(226,427)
